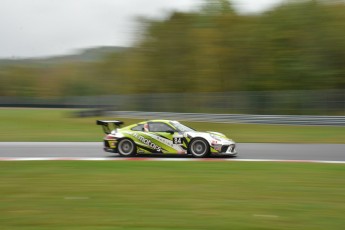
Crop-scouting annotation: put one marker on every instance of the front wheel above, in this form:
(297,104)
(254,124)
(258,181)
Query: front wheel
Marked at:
(199,148)
(127,147)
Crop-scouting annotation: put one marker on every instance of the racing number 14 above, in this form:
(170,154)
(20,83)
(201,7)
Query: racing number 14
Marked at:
(177,140)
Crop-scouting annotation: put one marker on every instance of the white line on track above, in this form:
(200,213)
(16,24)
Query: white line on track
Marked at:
(158,159)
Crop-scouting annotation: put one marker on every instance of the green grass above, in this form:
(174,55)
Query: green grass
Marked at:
(60,125)
(171,195)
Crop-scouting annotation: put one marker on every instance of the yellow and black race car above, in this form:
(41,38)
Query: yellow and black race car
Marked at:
(163,136)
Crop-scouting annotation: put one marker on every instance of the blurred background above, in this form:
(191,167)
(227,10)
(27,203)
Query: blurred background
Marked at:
(211,56)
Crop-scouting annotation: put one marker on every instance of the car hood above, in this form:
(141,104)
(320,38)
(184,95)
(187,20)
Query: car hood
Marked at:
(209,135)
(217,134)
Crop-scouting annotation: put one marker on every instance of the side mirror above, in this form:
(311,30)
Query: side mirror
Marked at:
(170,131)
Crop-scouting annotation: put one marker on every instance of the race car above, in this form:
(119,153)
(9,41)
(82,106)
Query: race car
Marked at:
(163,137)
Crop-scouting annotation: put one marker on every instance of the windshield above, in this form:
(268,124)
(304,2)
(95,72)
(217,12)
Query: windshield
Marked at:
(180,127)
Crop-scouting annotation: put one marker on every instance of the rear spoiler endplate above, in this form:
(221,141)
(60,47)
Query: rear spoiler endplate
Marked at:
(106,125)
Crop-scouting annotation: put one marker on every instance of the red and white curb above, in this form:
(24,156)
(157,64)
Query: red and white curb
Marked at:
(160,159)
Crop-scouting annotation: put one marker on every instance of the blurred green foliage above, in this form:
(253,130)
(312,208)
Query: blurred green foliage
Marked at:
(297,45)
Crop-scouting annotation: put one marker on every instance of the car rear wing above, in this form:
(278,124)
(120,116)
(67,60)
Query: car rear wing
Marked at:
(108,126)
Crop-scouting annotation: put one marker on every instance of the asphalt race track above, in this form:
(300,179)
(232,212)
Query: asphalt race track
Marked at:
(259,151)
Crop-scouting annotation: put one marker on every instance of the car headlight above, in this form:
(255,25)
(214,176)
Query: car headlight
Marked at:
(216,137)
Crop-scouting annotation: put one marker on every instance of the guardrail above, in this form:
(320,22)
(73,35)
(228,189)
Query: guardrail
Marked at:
(303,102)
(235,118)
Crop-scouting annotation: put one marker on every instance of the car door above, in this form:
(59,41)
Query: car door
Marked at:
(166,137)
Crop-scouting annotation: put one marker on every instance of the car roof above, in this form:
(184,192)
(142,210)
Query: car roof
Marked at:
(156,120)
(159,120)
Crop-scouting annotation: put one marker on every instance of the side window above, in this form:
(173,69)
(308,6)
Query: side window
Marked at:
(139,127)
(159,127)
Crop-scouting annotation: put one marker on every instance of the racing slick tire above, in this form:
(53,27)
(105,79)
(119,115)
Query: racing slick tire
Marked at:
(199,148)
(127,148)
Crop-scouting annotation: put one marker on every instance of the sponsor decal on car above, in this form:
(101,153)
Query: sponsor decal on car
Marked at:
(176,143)
(147,142)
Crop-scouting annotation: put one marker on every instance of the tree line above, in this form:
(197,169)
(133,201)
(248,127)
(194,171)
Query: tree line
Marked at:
(298,45)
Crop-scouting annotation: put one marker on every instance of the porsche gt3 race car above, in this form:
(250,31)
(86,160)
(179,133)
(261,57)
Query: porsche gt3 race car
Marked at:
(163,136)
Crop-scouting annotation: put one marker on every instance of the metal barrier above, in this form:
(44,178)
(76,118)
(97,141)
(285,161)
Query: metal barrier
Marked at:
(235,118)
(290,102)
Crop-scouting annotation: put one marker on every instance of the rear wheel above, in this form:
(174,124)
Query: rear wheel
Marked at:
(199,148)
(127,147)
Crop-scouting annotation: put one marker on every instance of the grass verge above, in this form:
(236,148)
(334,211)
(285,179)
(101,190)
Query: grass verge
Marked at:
(60,125)
(171,195)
